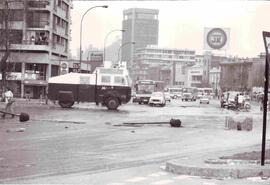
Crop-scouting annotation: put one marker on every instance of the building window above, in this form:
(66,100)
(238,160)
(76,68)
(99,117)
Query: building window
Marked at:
(13,15)
(119,80)
(38,4)
(37,19)
(183,70)
(59,2)
(105,79)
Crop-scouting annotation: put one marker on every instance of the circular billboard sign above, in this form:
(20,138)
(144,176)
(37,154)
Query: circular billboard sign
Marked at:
(216,38)
(64,65)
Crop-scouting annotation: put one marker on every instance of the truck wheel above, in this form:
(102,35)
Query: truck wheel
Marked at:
(112,103)
(66,104)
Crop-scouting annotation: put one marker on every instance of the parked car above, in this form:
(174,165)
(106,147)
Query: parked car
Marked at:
(157,98)
(204,100)
(167,96)
(188,97)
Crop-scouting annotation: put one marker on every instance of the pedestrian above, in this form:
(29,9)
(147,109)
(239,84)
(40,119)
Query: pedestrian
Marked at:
(236,101)
(46,97)
(41,97)
(27,95)
(9,100)
(33,40)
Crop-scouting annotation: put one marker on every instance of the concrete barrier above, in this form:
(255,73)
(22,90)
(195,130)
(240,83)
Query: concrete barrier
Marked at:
(239,123)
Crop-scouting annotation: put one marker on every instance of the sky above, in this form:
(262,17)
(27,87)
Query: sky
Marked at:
(181,23)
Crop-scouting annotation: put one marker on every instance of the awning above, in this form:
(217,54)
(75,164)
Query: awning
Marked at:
(35,82)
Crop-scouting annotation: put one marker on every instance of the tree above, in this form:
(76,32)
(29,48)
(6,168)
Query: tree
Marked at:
(4,39)
(7,36)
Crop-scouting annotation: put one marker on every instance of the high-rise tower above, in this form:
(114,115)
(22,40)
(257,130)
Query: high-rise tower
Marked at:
(141,26)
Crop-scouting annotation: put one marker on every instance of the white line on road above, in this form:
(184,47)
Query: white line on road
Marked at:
(136,179)
(162,182)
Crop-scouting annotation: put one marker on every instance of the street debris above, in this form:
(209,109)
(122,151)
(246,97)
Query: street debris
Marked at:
(60,121)
(23,116)
(172,122)
(16,130)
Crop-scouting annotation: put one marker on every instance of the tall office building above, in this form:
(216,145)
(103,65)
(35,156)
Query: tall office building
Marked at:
(141,26)
(39,35)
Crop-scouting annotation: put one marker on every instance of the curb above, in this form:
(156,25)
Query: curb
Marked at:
(230,169)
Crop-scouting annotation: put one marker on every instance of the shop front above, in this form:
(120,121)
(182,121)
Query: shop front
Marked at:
(35,88)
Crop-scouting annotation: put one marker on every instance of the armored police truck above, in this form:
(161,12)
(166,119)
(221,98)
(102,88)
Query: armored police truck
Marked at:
(109,86)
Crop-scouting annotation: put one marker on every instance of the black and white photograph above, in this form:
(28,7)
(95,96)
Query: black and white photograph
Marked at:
(127,92)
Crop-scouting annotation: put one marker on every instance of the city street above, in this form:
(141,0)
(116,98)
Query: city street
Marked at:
(93,140)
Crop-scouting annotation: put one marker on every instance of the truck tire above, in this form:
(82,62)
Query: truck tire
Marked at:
(112,103)
(66,104)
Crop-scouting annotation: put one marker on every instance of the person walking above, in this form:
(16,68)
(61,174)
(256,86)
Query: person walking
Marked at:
(27,95)
(236,101)
(9,100)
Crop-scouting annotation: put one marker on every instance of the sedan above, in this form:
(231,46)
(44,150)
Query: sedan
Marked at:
(204,99)
(157,98)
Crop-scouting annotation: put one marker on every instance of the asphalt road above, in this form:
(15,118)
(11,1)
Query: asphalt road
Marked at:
(88,139)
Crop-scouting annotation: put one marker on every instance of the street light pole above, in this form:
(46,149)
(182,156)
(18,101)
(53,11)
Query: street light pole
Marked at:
(104,6)
(266,39)
(121,47)
(104,47)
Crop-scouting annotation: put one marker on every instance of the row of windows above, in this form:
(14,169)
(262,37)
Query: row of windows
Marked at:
(179,83)
(11,15)
(176,52)
(59,40)
(37,19)
(165,56)
(38,4)
(197,78)
(118,80)
(60,22)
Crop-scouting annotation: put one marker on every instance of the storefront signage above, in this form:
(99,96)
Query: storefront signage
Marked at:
(12,76)
(96,56)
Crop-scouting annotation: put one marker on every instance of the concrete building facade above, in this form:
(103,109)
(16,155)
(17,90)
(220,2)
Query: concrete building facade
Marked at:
(170,64)
(236,75)
(142,27)
(42,32)
(195,75)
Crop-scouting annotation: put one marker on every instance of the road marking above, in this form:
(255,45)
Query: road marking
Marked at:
(209,183)
(116,184)
(154,175)
(162,182)
(158,174)
(181,177)
(136,179)
(255,179)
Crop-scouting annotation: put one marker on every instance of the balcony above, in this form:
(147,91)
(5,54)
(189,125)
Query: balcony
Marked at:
(30,47)
(39,5)
(16,25)
(44,25)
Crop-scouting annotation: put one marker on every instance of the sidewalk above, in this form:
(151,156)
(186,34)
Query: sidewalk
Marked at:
(21,102)
(212,166)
